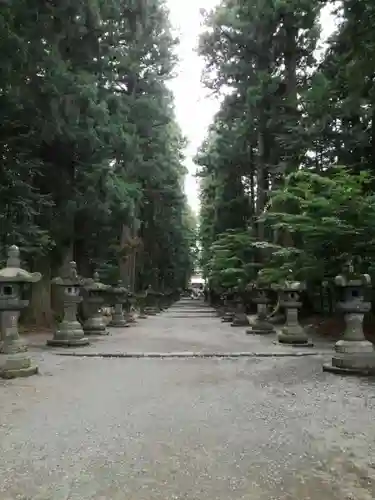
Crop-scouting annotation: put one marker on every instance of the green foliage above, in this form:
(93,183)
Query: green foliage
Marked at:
(285,124)
(256,54)
(232,260)
(330,219)
(88,137)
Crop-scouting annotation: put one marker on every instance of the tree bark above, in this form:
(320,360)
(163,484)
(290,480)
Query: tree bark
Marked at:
(39,312)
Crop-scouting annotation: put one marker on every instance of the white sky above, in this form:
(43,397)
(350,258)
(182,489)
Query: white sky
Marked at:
(194,109)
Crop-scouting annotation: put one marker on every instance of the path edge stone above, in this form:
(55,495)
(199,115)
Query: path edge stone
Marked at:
(181,355)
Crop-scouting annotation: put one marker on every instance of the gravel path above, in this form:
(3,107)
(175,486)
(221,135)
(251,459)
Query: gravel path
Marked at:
(196,429)
(182,329)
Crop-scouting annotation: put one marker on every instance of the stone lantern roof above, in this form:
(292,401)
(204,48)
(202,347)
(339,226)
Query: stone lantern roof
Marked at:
(119,288)
(13,273)
(95,285)
(69,276)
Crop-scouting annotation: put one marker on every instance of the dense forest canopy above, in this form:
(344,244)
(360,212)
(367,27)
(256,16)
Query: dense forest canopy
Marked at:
(93,159)
(92,165)
(286,169)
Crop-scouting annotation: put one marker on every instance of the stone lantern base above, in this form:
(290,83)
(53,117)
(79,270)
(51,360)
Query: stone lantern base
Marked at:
(118,319)
(293,335)
(118,322)
(70,334)
(95,326)
(240,317)
(16,365)
(70,342)
(260,326)
(355,357)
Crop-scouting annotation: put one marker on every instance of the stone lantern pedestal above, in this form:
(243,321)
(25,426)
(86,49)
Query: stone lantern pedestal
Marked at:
(94,293)
(292,332)
(219,303)
(151,308)
(354,354)
(128,306)
(228,315)
(119,297)
(240,317)
(220,307)
(141,302)
(70,332)
(261,325)
(14,358)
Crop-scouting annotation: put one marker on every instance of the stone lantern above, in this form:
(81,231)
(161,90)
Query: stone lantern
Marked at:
(220,305)
(151,301)
(14,359)
(141,302)
(261,325)
(354,354)
(94,294)
(69,332)
(292,332)
(228,315)
(240,317)
(119,297)
(128,305)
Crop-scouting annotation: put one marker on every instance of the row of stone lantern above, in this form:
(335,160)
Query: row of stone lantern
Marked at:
(291,333)
(14,359)
(353,353)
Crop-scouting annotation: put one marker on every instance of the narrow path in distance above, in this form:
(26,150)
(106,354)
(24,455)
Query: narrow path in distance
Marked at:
(190,327)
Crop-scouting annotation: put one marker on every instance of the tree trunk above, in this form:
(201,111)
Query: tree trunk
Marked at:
(82,259)
(261,174)
(56,291)
(125,261)
(292,153)
(373,136)
(263,67)
(39,312)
